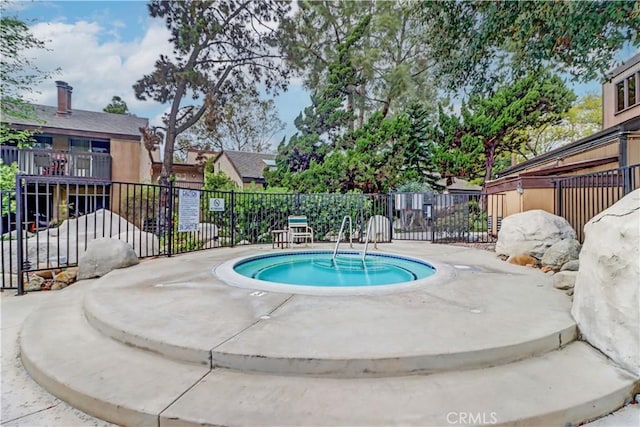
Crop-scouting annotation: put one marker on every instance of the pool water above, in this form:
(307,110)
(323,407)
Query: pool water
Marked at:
(347,269)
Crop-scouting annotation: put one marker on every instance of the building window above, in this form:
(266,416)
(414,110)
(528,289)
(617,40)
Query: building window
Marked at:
(631,90)
(89,145)
(627,92)
(43,142)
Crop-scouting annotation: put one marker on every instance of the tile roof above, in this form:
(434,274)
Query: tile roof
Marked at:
(249,165)
(82,120)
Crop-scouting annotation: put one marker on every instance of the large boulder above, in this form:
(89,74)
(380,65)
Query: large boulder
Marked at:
(207,231)
(607,289)
(144,244)
(532,232)
(104,255)
(561,252)
(101,223)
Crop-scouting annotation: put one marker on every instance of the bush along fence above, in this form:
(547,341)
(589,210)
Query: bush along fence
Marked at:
(58,217)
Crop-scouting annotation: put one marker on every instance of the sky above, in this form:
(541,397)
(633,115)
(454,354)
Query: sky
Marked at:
(101,48)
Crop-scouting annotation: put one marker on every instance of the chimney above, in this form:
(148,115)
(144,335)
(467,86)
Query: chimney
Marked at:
(69,90)
(64,98)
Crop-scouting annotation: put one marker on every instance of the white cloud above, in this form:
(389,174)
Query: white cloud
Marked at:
(96,69)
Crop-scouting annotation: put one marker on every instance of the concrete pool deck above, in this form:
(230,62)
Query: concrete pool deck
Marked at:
(166,343)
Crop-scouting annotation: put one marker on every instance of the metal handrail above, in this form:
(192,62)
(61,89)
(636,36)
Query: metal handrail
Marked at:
(341,233)
(366,240)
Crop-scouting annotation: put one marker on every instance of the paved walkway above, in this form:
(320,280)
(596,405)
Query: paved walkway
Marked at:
(25,403)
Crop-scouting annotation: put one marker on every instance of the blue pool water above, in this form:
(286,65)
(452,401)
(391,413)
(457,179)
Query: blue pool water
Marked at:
(347,269)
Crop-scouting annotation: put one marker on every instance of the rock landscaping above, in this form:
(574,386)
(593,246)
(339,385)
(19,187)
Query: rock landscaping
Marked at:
(602,276)
(541,240)
(607,290)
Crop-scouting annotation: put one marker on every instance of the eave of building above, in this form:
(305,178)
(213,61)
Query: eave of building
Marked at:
(603,137)
(570,167)
(79,133)
(624,66)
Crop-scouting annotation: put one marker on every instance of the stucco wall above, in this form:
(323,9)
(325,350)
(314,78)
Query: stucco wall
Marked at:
(60,142)
(224,165)
(145,164)
(633,149)
(125,160)
(538,198)
(609,115)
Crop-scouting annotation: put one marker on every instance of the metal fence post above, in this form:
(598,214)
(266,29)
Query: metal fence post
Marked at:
(627,176)
(169,209)
(390,215)
(558,189)
(19,248)
(232,219)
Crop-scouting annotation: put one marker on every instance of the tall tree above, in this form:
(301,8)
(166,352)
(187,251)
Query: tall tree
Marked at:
(219,48)
(244,123)
(18,73)
(480,43)
(583,119)
(389,60)
(117,106)
(326,119)
(491,125)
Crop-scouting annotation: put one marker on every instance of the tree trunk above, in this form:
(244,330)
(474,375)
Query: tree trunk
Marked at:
(167,160)
(488,162)
(385,108)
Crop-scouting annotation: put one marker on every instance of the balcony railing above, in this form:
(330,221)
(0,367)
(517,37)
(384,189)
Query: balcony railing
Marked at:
(58,163)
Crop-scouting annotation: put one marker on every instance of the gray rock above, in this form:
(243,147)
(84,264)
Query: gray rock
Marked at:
(607,289)
(104,255)
(532,232)
(58,285)
(561,252)
(572,265)
(564,280)
(144,244)
(206,231)
(35,282)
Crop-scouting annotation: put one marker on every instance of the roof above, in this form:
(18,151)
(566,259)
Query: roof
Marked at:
(601,137)
(249,165)
(82,120)
(459,184)
(624,66)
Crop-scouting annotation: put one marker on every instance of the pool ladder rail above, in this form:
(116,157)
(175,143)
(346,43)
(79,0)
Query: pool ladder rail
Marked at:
(366,240)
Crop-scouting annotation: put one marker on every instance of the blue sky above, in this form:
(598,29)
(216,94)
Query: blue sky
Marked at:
(102,47)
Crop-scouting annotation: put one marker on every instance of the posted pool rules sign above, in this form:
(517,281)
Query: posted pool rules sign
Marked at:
(188,210)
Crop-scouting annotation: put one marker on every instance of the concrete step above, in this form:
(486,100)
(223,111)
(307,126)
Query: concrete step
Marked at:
(130,386)
(98,375)
(474,319)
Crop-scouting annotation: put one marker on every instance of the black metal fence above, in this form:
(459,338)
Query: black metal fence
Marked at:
(445,218)
(59,216)
(579,198)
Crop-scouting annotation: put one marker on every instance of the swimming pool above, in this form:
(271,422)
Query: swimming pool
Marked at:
(310,272)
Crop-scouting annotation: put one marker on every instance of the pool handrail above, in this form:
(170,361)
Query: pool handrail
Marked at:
(366,240)
(341,233)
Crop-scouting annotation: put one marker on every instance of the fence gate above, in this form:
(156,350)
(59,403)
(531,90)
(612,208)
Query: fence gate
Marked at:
(443,218)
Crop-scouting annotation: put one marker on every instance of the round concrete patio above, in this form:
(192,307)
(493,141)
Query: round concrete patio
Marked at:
(167,343)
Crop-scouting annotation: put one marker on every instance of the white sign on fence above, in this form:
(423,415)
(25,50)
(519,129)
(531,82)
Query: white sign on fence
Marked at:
(189,210)
(216,205)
